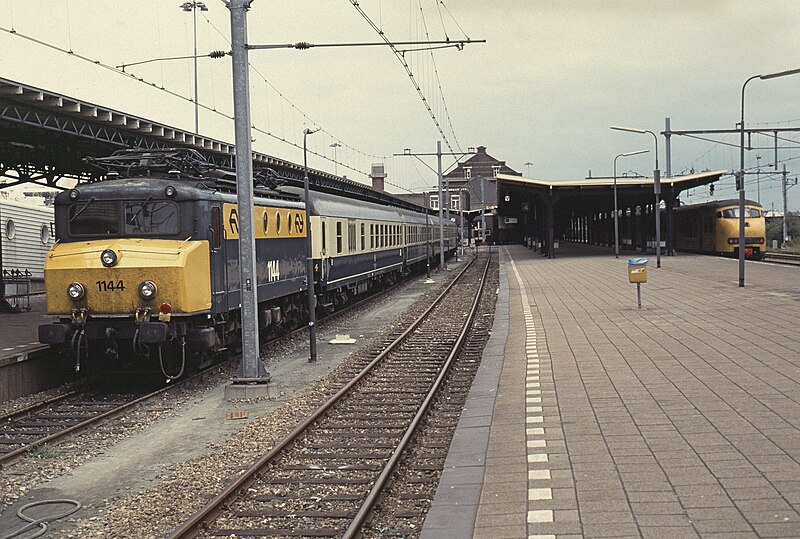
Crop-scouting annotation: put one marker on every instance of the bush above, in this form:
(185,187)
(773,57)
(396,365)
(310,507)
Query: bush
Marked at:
(775,231)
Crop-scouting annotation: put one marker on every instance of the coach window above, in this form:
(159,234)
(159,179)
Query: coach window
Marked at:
(324,237)
(277,223)
(216,227)
(11,229)
(44,234)
(363,236)
(338,236)
(266,222)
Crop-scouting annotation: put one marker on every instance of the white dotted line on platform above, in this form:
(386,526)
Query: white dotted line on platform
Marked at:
(536,443)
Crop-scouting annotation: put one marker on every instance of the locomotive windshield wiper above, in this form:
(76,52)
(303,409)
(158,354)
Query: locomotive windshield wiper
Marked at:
(140,210)
(80,211)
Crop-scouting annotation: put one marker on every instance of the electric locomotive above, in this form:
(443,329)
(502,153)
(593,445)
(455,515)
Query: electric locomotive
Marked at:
(145,270)
(713,228)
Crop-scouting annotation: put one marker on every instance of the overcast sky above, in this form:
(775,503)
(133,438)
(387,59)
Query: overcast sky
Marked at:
(551,78)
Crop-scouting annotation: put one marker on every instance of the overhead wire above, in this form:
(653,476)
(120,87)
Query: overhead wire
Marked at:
(177,95)
(401,57)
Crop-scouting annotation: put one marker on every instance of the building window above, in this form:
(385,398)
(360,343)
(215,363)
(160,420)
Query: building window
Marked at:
(455,202)
(434,202)
(467,173)
(495,170)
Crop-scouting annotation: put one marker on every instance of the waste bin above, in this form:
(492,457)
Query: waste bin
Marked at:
(637,270)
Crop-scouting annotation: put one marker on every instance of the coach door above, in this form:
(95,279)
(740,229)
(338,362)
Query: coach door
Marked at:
(219,266)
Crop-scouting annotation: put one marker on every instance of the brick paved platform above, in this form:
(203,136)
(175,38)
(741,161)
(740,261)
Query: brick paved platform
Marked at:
(593,418)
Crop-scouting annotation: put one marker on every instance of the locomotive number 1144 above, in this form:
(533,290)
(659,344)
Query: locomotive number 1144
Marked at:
(110,286)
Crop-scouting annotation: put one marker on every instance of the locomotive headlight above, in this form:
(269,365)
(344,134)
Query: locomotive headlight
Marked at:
(74,194)
(75,291)
(169,191)
(108,258)
(147,290)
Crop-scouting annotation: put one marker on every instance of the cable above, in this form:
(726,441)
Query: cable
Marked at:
(400,55)
(43,521)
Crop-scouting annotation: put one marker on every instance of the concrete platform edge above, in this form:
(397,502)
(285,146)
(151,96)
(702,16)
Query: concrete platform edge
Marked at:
(455,505)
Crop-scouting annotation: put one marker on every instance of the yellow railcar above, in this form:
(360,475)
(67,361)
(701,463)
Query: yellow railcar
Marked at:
(713,228)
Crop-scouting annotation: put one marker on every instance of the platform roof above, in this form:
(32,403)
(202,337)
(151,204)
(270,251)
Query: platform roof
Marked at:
(623,182)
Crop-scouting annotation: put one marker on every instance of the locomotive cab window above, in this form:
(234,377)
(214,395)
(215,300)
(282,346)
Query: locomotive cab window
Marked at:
(94,218)
(151,217)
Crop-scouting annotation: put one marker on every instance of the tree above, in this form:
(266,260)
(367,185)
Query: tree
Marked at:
(775,230)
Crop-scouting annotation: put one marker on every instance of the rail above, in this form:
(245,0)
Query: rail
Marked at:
(782,258)
(400,391)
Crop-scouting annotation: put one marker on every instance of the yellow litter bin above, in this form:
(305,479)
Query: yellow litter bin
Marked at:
(637,270)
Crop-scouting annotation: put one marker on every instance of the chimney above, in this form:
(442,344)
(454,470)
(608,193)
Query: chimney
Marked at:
(378,174)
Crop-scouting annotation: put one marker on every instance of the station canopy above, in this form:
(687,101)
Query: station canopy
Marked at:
(624,183)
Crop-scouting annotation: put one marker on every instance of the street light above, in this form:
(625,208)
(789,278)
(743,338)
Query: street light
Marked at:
(312,298)
(193,7)
(616,217)
(656,189)
(740,178)
(335,163)
(528,168)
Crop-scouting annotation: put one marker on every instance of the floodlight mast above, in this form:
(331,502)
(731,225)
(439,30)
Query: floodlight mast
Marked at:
(656,188)
(740,174)
(616,216)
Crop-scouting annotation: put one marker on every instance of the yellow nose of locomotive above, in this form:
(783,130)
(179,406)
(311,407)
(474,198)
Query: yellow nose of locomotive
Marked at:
(117,277)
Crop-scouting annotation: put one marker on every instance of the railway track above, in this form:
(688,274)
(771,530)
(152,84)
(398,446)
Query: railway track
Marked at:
(325,477)
(782,258)
(50,420)
(46,422)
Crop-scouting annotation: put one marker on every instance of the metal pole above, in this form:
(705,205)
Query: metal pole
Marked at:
(251,369)
(196,104)
(483,214)
(312,297)
(657,192)
(758,179)
(616,217)
(442,265)
(335,145)
(740,187)
(785,210)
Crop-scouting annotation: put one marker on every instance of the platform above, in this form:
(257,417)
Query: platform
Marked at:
(20,371)
(593,418)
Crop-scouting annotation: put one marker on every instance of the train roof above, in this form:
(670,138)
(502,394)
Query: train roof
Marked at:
(714,204)
(336,205)
(184,163)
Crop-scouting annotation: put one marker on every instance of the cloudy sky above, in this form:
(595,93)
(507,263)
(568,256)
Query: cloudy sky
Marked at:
(551,79)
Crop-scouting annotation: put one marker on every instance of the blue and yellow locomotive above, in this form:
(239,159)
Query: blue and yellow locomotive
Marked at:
(145,270)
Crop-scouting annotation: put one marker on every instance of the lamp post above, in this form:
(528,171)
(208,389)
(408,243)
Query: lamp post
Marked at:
(312,298)
(193,7)
(616,217)
(740,175)
(335,162)
(656,189)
